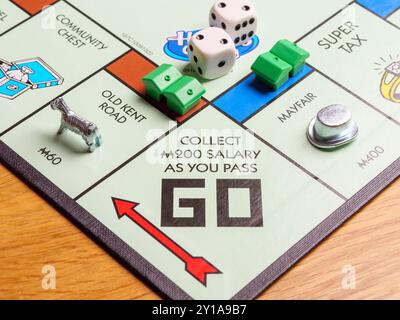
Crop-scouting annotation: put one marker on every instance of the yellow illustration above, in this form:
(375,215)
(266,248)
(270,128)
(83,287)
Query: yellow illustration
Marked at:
(390,85)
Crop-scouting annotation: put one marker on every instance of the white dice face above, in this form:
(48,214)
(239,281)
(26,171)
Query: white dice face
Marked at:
(212,53)
(236,17)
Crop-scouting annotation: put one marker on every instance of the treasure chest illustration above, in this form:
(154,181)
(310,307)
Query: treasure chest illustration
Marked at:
(390,85)
(30,74)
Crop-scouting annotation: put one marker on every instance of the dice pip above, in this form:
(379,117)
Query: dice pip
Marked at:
(212,53)
(236,17)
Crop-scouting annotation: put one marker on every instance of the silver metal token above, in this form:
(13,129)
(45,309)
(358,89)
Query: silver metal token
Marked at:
(73,122)
(332,128)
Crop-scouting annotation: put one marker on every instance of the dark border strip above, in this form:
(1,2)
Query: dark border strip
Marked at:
(322,231)
(103,236)
(134,262)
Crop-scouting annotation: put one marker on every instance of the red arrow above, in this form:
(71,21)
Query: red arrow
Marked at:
(198,267)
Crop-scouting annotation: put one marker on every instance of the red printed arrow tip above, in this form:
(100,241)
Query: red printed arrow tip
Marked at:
(200,269)
(123,207)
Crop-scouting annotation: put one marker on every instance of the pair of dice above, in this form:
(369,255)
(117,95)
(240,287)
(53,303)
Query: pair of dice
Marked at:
(212,51)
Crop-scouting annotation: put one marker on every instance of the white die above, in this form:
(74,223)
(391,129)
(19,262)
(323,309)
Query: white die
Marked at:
(212,53)
(236,17)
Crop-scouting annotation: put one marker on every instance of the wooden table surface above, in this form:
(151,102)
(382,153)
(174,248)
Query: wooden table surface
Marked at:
(33,234)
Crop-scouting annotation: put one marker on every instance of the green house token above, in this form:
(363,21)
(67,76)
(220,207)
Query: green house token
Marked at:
(292,54)
(160,79)
(272,70)
(184,94)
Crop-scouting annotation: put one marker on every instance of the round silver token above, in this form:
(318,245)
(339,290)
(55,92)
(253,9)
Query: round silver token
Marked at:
(332,128)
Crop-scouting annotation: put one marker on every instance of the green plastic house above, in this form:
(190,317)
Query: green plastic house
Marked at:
(184,94)
(292,54)
(272,70)
(160,79)
(181,93)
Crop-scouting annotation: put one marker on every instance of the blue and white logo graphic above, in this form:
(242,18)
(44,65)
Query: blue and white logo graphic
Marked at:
(30,74)
(176,46)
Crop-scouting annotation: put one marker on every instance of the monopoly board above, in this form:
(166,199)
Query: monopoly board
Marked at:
(216,204)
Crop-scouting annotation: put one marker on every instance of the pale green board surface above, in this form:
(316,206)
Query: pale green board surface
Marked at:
(361,70)
(340,168)
(80,169)
(172,17)
(293,204)
(10,15)
(72,63)
(395,18)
